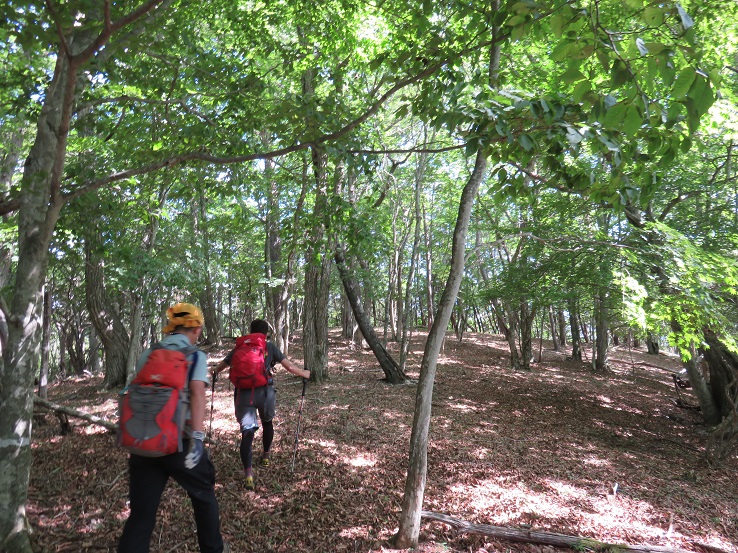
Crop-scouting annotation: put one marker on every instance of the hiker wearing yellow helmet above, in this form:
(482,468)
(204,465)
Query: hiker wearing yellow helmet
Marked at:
(191,467)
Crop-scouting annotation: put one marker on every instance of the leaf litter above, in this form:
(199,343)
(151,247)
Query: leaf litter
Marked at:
(556,449)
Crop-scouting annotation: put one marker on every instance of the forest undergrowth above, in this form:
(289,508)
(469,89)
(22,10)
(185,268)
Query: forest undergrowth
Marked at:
(557,449)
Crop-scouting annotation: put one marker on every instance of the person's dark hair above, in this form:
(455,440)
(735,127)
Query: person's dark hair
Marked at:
(259,325)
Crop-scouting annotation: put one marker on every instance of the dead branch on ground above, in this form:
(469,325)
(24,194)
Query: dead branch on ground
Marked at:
(543,538)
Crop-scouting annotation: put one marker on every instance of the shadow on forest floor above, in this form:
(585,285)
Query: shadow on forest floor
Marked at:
(540,450)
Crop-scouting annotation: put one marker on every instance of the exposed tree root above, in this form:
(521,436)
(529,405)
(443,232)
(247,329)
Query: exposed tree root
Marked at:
(544,538)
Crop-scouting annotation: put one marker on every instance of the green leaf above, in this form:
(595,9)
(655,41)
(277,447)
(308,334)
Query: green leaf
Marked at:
(526,142)
(515,20)
(604,60)
(683,82)
(655,47)
(562,51)
(615,115)
(633,121)
(581,90)
(653,16)
(572,75)
(557,24)
(608,142)
(702,94)
(620,74)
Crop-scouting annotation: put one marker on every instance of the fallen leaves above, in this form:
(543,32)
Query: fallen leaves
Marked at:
(541,450)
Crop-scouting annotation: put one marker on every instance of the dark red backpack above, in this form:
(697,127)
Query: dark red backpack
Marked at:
(153,409)
(248,363)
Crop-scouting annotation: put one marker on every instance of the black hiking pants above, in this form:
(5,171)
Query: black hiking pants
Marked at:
(148,478)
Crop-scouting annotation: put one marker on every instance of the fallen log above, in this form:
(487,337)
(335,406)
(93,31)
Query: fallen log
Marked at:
(94,419)
(543,538)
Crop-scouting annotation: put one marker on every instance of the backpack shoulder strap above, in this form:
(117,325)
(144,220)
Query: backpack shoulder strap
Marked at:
(187,351)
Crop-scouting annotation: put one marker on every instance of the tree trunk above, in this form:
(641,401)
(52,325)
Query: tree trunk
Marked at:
(652,344)
(527,317)
(94,351)
(601,332)
(38,214)
(431,308)
(412,501)
(392,372)
(576,344)
(406,332)
(317,279)
(554,329)
(106,320)
(583,328)
(347,318)
(207,297)
(723,365)
(508,321)
(562,327)
(43,377)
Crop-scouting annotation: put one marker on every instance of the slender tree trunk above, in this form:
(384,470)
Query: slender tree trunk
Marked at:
(317,280)
(562,326)
(94,351)
(583,328)
(428,269)
(207,295)
(527,318)
(554,328)
(576,343)
(106,320)
(412,501)
(43,377)
(138,296)
(652,343)
(392,371)
(601,332)
(347,318)
(508,321)
(406,333)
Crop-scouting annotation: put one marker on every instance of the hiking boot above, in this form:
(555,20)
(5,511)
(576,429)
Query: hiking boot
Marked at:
(264,462)
(250,483)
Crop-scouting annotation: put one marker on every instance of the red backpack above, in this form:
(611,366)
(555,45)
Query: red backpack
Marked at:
(248,363)
(153,409)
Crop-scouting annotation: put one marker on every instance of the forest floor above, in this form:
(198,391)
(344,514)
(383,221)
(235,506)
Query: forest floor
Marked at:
(558,449)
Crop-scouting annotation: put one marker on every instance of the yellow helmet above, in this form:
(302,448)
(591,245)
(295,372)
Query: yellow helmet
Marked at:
(185,315)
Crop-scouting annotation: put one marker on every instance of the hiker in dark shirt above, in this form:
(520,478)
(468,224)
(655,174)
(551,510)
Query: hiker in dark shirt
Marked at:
(260,400)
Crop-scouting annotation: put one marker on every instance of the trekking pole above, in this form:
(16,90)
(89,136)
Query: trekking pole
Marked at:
(212,403)
(299,420)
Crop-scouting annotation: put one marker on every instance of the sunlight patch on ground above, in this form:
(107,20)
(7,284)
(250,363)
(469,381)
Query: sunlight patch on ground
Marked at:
(565,490)
(596,461)
(509,503)
(355,532)
(328,444)
(93,429)
(464,407)
(361,460)
(480,453)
